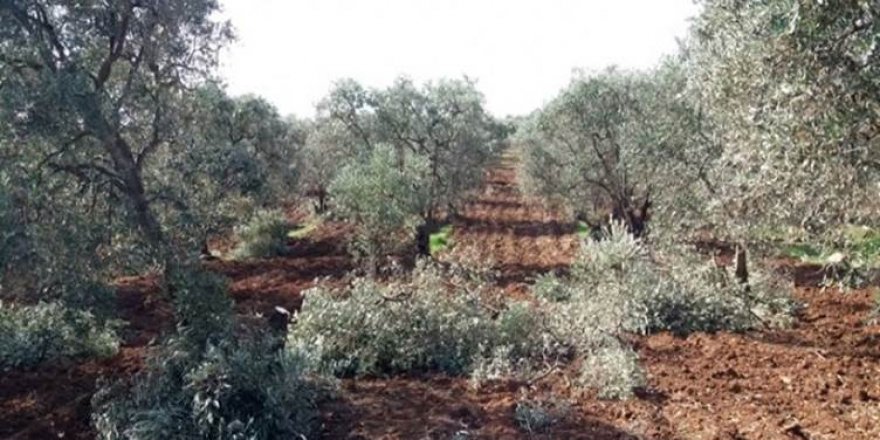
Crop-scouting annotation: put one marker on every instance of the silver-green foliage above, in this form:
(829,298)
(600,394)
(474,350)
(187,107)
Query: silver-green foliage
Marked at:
(613,370)
(643,291)
(264,235)
(242,390)
(443,121)
(613,140)
(434,321)
(383,199)
(790,90)
(32,335)
(619,287)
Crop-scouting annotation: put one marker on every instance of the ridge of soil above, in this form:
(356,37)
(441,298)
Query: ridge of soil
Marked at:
(815,380)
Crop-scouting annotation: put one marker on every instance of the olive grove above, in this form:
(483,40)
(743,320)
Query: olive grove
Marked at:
(754,130)
(123,154)
(443,124)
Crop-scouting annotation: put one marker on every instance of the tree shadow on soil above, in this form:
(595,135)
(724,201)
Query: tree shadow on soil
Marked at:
(442,409)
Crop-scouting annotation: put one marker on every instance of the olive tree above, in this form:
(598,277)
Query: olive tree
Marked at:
(443,122)
(613,144)
(584,147)
(235,155)
(327,145)
(351,105)
(94,88)
(383,200)
(790,88)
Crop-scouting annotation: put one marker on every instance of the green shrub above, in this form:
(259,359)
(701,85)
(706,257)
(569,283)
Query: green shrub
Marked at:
(31,335)
(431,322)
(440,240)
(264,235)
(383,199)
(242,390)
(202,307)
(618,287)
(614,370)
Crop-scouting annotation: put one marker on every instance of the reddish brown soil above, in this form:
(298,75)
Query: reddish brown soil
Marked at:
(261,284)
(519,237)
(817,380)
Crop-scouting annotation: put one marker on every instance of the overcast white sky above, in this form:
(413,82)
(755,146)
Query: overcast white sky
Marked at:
(520,51)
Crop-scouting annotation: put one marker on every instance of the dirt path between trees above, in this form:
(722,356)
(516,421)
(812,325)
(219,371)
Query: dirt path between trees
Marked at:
(519,237)
(817,380)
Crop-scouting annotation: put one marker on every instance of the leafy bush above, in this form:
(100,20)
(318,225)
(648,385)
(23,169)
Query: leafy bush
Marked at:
(552,288)
(31,335)
(617,287)
(614,370)
(242,390)
(202,306)
(264,235)
(433,321)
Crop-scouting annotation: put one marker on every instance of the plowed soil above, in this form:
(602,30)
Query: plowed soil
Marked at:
(519,237)
(816,380)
